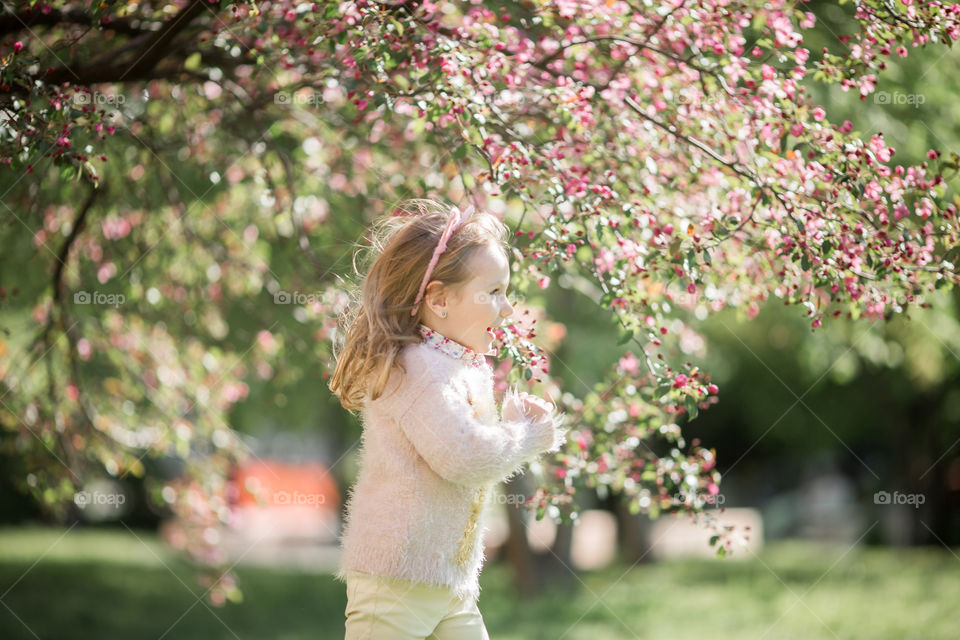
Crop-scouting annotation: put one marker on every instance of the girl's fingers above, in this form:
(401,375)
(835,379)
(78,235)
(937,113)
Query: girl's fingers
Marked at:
(536,401)
(543,405)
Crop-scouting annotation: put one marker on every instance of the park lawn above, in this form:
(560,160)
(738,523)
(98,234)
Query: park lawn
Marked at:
(97,583)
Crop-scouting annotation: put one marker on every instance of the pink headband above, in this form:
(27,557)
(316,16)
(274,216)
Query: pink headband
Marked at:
(456,219)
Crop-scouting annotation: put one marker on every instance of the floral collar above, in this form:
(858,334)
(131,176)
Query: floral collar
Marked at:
(453,348)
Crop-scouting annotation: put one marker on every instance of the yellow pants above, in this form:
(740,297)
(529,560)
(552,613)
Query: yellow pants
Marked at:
(382,608)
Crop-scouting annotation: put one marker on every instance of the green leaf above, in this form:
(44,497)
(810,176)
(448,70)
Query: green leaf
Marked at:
(192,63)
(625,336)
(527,373)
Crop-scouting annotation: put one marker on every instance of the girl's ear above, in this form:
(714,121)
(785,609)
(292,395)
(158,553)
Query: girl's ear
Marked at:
(441,294)
(436,295)
(434,291)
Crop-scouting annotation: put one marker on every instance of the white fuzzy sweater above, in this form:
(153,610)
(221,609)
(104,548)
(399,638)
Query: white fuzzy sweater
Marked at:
(432,449)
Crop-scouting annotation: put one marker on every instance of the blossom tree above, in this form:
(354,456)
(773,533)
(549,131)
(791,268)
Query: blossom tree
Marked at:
(664,152)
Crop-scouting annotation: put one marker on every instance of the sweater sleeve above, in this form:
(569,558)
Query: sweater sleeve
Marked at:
(441,426)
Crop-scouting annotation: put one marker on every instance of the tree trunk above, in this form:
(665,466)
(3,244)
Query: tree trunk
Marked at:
(634,534)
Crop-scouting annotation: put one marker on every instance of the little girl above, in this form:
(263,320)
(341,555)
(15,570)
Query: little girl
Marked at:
(433,446)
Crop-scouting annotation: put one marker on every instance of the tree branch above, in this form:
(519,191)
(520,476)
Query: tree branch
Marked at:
(154,49)
(14,23)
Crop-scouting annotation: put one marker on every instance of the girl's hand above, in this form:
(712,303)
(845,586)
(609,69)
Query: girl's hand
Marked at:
(520,406)
(535,407)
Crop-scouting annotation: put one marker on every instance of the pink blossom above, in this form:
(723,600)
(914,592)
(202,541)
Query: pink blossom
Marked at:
(266,340)
(582,442)
(874,310)
(84,349)
(630,364)
(602,465)
(605,260)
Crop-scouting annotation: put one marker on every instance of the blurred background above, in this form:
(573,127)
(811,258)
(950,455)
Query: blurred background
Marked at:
(839,449)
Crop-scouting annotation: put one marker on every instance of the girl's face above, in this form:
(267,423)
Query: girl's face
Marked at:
(478,305)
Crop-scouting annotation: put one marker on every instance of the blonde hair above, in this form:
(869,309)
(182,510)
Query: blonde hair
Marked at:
(377,322)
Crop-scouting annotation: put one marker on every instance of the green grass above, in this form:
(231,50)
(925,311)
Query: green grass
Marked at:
(110,584)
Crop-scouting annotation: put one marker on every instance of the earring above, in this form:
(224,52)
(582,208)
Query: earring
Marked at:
(443,315)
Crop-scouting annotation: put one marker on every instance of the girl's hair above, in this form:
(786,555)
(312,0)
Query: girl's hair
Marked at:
(377,322)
